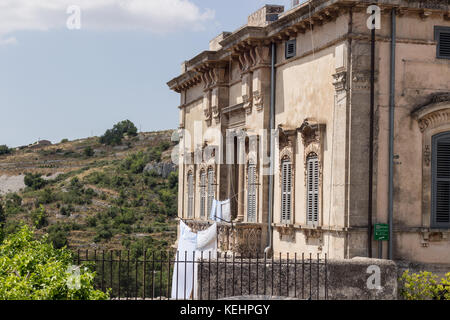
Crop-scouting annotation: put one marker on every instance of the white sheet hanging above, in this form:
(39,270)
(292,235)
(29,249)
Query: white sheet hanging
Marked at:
(184,270)
(206,244)
(220,211)
(226,210)
(212,214)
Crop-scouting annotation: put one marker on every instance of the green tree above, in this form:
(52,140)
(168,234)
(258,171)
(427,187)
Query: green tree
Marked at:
(88,151)
(35,270)
(34,181)
(2,222)
(115,135)
(5,150)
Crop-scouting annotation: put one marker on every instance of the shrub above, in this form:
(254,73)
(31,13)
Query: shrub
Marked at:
(45,197)
(67,210)
(35,270)
(34,181)
(57,235)
(115,135)
(64,140)
(88,151)
(5,150)
(425,286)
(39,217)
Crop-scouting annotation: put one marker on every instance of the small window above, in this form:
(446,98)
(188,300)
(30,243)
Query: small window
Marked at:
(211,188)
(190,208)
(286,191)
(251,197)
(202,193)
(442,36)
(291,48)
(441,181)
(312,201)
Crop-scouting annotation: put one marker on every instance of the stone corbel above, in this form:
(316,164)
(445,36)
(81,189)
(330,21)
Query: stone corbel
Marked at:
(215,104)
(258,100)
(262,55)
(207,106)
(286,231)
(313,233)
(247,97)
(340,81)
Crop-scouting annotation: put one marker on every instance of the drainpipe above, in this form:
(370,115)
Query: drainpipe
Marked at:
(371,147)
(391,133)
(268,249)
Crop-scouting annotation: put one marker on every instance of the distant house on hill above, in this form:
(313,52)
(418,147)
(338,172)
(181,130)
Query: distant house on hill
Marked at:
(40,144)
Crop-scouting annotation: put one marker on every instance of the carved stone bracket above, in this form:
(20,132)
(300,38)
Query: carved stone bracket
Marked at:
(340,81)
(258,100)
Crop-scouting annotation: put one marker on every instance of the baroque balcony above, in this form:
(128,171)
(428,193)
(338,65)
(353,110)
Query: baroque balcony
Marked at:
(244,239)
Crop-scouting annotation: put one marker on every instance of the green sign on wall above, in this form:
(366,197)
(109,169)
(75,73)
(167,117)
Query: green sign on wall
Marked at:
(381,232)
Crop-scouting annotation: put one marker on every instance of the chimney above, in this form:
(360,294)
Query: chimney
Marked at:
(214,44)
(265,15)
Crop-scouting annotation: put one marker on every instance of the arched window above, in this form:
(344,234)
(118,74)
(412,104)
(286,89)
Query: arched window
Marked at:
(251,196)
(190,206)
(202,193)
(286,190)
(210,188)
(441,181)
(312,189)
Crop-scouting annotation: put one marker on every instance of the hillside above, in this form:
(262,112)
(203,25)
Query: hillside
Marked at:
(88,195)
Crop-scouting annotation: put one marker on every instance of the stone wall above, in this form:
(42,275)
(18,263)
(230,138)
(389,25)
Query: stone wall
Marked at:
(345,280)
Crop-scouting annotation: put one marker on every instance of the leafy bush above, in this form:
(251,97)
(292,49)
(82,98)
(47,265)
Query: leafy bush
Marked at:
(88,151)
(5,150)
(64,140)
(45,197)
(57,235)
(34,181)
(34,270)
(425,286)
(39,217)
(115,135)
(2,222)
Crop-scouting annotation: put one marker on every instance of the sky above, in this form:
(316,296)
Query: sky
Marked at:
(73,68)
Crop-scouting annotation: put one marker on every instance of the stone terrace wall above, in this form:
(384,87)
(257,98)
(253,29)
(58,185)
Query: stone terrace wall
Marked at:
(346,279)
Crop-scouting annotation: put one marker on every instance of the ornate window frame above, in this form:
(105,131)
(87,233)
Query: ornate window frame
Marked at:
(312,136)
(433,118)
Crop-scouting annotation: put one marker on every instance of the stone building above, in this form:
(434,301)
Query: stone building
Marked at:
(337,93)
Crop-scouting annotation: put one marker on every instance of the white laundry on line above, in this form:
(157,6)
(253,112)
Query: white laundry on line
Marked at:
(221,211)
(190,248)
(206,247)
(184,271)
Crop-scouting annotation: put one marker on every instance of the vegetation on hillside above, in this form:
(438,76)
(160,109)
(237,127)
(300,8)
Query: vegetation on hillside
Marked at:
(105,200)
(4,149)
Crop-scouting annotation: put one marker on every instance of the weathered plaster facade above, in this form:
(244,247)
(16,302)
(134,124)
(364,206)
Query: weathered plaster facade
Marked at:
(322,108)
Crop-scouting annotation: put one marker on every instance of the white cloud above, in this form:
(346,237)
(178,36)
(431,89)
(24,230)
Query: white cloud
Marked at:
(156,16)
(8,40)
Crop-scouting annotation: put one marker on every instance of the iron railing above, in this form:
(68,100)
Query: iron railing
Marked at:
(148,275)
